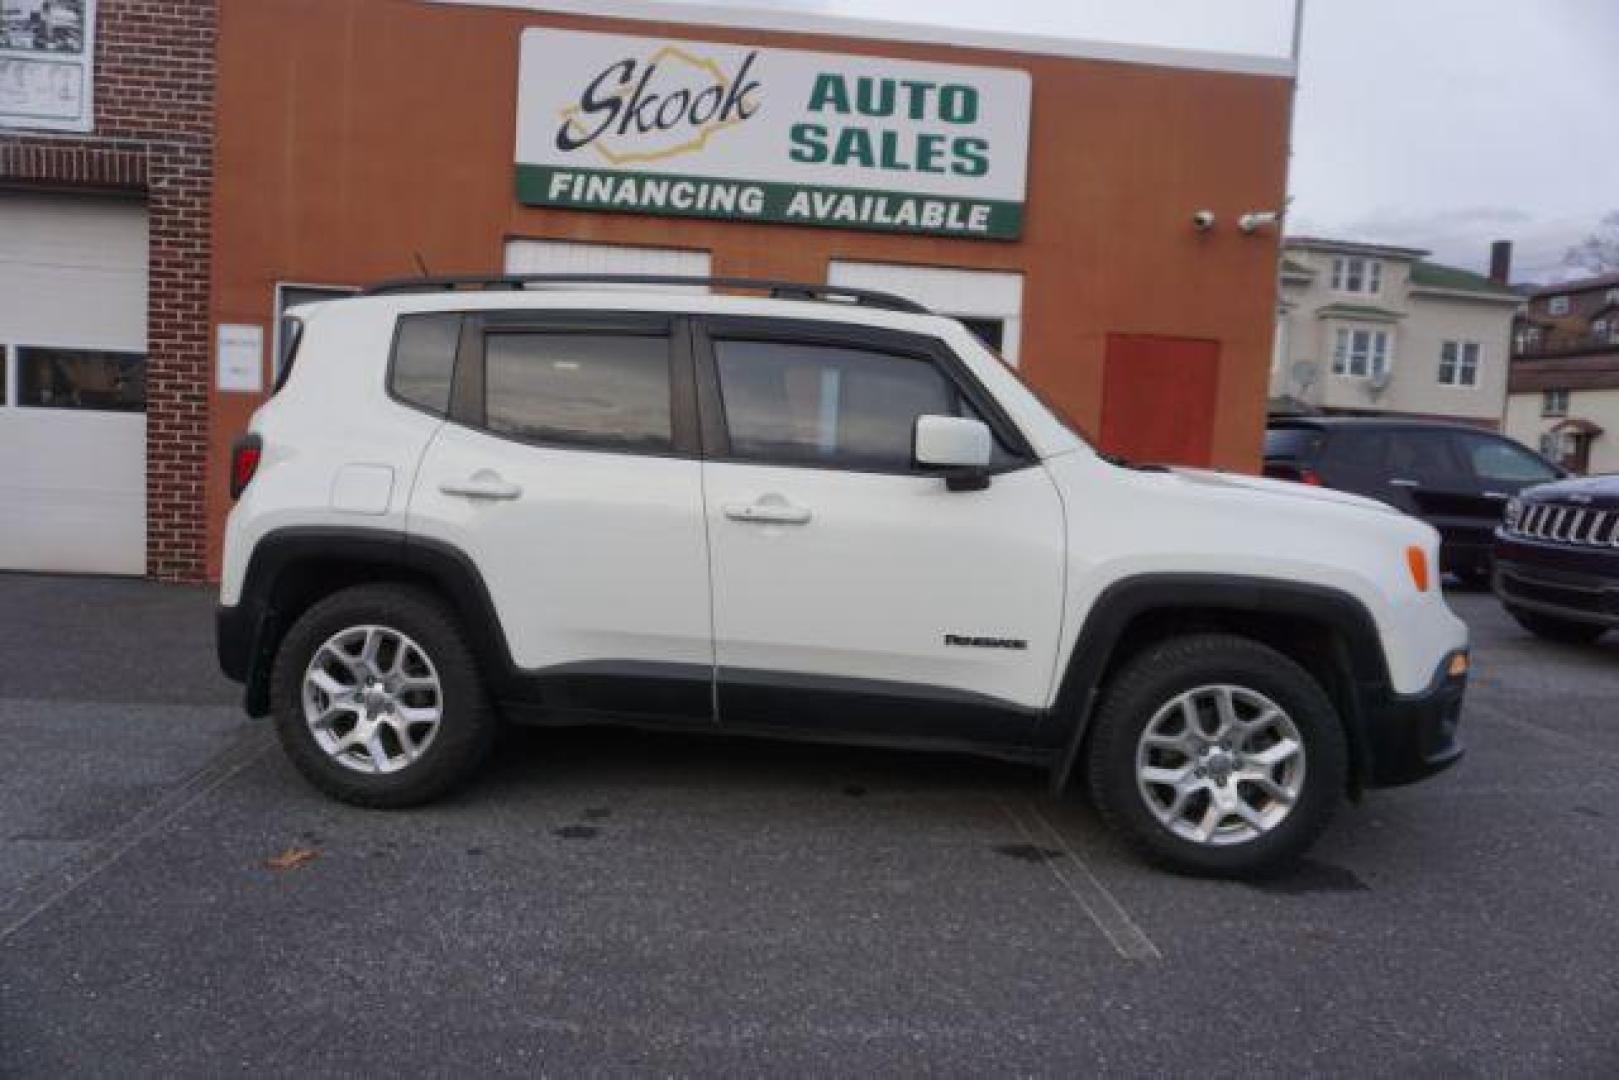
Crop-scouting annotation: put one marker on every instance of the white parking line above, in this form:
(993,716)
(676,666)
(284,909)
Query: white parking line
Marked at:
(242,752)
(1104,909)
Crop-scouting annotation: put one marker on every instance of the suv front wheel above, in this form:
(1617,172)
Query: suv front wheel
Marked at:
(1214,754)
(377,698)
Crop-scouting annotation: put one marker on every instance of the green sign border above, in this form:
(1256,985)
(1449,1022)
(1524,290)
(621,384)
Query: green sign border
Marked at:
(1005,218)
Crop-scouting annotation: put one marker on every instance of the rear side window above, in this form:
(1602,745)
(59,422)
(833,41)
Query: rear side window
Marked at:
(830,405)
(588,389)
(1497,459)
(424,361)
(1299,444)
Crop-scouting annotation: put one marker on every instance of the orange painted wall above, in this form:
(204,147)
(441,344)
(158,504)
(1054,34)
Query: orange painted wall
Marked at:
(353,133)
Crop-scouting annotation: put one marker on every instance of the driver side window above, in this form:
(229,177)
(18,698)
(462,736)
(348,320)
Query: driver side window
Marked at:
(791,403)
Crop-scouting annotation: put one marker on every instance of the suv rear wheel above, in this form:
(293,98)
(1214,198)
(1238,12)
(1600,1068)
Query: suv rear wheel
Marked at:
(377,698)
(1550,627)
(1214,754)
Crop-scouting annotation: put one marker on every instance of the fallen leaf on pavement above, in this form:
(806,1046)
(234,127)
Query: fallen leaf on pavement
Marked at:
(292,858)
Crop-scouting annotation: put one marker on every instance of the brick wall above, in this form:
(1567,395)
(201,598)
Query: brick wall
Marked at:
(154,116)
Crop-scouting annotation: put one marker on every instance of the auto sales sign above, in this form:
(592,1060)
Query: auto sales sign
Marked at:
(693,129)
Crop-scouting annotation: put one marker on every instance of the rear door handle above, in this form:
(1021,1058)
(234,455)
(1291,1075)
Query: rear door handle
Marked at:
(768,511)
(1399,482)
(483,484)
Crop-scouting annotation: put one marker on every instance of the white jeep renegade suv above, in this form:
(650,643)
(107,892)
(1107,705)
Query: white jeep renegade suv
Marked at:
(817,513)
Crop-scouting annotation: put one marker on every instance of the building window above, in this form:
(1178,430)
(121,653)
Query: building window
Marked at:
(1611,296)
(1357,275)
(1360,354)
(1458,363)
(1528,339)
(85,379)
(1554,403)
(1557,305)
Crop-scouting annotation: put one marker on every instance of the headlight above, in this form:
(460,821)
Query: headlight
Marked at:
(1514,512)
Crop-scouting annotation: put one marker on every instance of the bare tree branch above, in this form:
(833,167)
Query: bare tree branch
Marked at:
(1599,252)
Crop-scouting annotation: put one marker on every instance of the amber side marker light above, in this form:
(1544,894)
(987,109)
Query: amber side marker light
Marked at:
(1459,664)
(1417,561)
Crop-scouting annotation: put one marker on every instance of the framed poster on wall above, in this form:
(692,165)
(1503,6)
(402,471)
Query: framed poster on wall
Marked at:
(47,64)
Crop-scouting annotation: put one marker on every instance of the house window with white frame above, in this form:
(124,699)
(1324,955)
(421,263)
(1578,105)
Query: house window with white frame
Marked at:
(1360,354)
(1354,274)
(1554,403)
(1557,305)
(1458,363)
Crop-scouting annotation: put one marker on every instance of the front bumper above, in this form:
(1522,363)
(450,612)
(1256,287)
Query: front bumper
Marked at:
(1409,737)
(1582,586)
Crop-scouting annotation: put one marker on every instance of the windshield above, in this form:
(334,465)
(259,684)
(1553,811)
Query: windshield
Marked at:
(1057,411)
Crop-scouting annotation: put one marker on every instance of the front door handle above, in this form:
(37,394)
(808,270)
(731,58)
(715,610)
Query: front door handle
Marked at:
(1401,482)
(483,484)
(769,510)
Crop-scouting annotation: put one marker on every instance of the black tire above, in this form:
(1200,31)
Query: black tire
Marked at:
(467,726)
(1550,627)
(1168,669)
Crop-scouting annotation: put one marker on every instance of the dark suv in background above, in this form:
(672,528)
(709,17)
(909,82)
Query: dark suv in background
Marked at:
(1557,559)
(1456,478)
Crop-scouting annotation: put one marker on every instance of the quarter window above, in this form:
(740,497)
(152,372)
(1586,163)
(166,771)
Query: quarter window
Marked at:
(424,360)
(829,405)
(1359,354)
(1458,363)
(86,379)
(603,390)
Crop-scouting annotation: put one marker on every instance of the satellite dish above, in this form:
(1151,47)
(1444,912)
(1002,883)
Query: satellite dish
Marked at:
(1380,381)
(1304,374)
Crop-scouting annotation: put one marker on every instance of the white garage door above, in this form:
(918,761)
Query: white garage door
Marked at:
(566,257)
(990,302)
(73,409)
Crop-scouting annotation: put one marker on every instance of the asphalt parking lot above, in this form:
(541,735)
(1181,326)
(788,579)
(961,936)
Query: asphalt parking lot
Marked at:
(174,899)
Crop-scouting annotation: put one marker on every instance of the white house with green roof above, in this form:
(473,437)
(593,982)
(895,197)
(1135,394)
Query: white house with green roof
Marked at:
(1373,329)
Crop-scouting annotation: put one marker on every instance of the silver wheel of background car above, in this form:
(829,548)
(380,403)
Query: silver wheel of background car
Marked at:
(372,699)
(1220,765)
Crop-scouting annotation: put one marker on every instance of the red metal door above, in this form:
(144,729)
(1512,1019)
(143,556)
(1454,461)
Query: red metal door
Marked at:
(1158,398)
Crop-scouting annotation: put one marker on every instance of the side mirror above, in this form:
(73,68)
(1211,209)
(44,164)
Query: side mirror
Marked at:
(957,446)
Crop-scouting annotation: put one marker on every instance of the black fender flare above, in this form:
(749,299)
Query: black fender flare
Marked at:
(1124,601)
(249,631)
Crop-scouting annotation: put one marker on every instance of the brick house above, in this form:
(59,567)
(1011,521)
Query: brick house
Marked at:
(106,178)
(1564,392)
(176,174)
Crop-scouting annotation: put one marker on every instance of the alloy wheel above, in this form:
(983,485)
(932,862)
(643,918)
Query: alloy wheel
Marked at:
(372,699)
(1220,765)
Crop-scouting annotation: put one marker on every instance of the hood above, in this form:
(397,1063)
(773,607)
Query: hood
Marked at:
(1596,492)
(1286,489)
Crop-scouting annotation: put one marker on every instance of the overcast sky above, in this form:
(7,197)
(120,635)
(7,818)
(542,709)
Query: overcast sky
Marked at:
(1441,124)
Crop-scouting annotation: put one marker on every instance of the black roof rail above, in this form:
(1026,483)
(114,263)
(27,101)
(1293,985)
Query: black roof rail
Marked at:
(777,290)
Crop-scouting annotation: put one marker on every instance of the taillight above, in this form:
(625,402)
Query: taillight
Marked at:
(245,454)
(1310,476)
